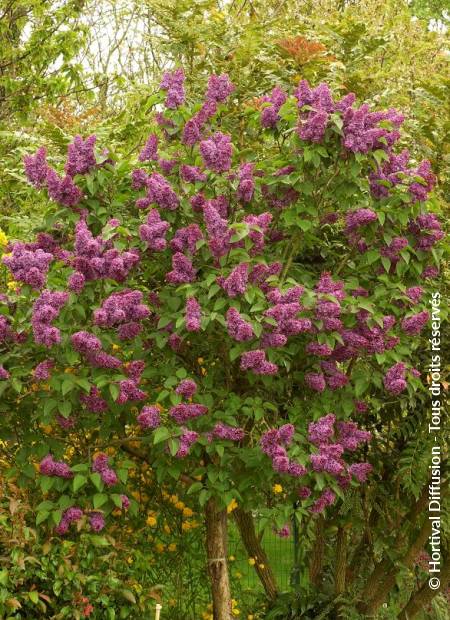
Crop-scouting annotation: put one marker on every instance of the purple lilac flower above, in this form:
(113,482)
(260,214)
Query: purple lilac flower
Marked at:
(28,266)
(154,231)
(262,223)
(182,270)
(81,156)
(125,501)
(236,283)
(173,83)
(193,315)
(313,127)
(49,467)
(269,114)
(237,328)
(394,380)
(357,219)
(42,372)
(187,411)
(187,439)
(192,174)
(96,521)
(327,498)
(304,492)
(246,185)
(161,193)
(85,343)
(46,308)
(129,391)
(149,417)
(125,309)
(167,165)
(413,325)
(256,362)
(414,293)
(150,150)
(175,342)
(223,431)
(427,230)
(62,189)
(4,374)
(350,436)
(315,381)
(76,282)
(186,388)
(360,471)
(93,401)
(216,152)
(328,286)
(322,350)
(219,87)
(284,532)
(36,167)
(185,239)
(361,406)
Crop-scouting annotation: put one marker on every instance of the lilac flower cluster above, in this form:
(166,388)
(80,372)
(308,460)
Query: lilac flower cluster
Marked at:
(94,261)
(269,114)
(193,315)
(159,192)
(218,232)
(100,466)
(427,230)
(187,439)
(220,88)
(413,325)
(329,457)
(42,372)
(154,231)
(124,309)
(231,433)
(182,272)
(4,374)
(90,346)
(257,362)
(327,498)
(395,171)
(6,333)
(362,133)
(192,174)
(192,131)
(395,378)
(150,149)
(259,226)
(187,411)
(69,516)
(81,156)
(238,329)
(62,189)
(46,309)
(236,283)
(273,444)
(216,152)
(357,219)
(173,83)
(36,167)
(49,467)
(185,239)
(186,388)
(246,185)
(96,521)
(93,401)
(28,266)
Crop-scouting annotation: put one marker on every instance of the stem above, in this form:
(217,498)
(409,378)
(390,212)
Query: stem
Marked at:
(424,596)
(216,551)
(252,544)
(317,555)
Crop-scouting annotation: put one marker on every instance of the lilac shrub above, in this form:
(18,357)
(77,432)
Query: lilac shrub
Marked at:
(240,287)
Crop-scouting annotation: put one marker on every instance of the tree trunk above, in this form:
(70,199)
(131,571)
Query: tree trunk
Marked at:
(425,595)
(216,551)
(252,544)
(317,553)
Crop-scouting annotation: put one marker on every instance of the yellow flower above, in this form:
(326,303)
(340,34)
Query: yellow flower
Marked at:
(231,558)
(174,499)
(130,560)
(172,547)
(262,566)
(235,612)
(179,505)
(68,370)
(166,529)
(188,512)
(160,548)
(238,575)
(151,521)
(232,506)
(277,488)
(12,285)
(172,602)
(115,347)
(185,526)
(250,617)
(3,238)
(252,561)
(200,360)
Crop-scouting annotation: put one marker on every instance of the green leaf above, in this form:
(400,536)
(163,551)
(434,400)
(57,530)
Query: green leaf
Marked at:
(97,480)
(161,434)
(42,516)
(78,482)
(33,596)
(194,488)
(99,499)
